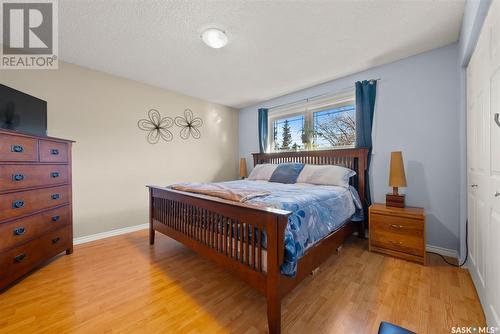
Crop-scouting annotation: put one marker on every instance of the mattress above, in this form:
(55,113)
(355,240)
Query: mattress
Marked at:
(316,210)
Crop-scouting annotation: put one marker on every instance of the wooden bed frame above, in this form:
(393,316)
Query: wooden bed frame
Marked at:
(222,230)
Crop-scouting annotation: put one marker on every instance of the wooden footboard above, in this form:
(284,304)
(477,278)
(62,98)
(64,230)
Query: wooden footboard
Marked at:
(228,233)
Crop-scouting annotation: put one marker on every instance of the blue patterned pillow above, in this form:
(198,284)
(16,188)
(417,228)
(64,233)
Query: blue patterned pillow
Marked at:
(286,173)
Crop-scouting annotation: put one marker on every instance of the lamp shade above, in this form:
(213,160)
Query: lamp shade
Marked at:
(397,177)
(243,168)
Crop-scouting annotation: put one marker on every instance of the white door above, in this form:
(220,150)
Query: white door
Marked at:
(483,165)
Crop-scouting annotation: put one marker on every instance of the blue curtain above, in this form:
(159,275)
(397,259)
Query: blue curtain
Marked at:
(263,131)
(366,92)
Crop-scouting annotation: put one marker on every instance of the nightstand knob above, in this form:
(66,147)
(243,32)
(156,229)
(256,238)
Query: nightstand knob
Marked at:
(399,243)
(397,226)
(474,185)
(497,194)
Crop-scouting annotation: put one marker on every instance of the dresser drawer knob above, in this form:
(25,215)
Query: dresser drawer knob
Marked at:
(16,148)
(55,174)
(398,227)
(17,177)
(56,240)
(17,204)
(54,151)
(19,231)
(56,218)
(20,257)
(55,196)
(397,243)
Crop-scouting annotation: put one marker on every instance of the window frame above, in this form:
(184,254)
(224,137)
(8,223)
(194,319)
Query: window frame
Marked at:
(308,109)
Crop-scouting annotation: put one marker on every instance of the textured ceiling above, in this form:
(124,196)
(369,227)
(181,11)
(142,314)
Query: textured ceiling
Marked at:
(274,47)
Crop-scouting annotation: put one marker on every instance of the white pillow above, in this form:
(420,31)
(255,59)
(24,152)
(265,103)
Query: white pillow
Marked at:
(328,175)
(262,172)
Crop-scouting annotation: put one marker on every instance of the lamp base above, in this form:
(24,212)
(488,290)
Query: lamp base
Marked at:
(397,201)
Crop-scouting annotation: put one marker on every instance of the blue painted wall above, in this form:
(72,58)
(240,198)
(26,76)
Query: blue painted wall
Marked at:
(418,112)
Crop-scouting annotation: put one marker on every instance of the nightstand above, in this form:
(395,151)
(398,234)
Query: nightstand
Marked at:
(398,232)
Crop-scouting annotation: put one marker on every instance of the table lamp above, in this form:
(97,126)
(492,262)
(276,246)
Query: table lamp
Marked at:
(397,178)
(243,168)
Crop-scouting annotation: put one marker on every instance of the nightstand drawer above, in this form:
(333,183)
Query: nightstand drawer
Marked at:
(398,232)
(395,241)
(397,225)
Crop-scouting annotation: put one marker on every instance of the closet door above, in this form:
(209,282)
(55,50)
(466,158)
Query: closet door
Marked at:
(493,269)
(477,169)
(483,165)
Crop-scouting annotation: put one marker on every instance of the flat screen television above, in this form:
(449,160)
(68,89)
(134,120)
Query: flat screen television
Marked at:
(22,112)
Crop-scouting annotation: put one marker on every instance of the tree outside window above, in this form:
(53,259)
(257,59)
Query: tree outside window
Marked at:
(286,133)
(335,127)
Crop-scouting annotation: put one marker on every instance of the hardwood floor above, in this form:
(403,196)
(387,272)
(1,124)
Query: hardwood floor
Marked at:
(122,285)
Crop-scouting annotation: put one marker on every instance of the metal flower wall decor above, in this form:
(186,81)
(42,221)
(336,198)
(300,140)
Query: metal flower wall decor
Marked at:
(189,125)
(158,126)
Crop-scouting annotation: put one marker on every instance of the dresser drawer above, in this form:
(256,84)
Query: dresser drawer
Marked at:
(398,242)
(17,148)
(14,177)
(19,231)
(24,202)
(53,151)
(396,224)
(20,260)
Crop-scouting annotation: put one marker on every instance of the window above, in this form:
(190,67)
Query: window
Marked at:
(310,126)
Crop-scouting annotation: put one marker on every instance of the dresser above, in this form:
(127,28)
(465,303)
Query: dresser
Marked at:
(35,203)
(398,232)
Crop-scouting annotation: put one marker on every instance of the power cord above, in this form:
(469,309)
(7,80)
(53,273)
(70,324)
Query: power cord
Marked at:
(466,248)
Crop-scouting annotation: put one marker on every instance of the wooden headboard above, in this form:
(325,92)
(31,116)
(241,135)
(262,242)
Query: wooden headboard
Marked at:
(353,158)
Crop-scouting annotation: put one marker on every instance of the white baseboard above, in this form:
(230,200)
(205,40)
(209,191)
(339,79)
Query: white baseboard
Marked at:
(443,251)
(112,233)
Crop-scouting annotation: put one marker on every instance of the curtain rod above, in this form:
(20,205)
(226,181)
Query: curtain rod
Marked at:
(307,99)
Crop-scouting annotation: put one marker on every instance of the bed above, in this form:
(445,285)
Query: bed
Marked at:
(251,239)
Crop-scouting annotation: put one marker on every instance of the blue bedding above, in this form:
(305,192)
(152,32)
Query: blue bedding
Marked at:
(316,212)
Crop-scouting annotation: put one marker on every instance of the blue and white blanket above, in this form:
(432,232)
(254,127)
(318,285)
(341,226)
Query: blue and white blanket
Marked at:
(316,212)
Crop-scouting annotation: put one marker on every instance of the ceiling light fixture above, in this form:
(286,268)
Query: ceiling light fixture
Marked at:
(214,38)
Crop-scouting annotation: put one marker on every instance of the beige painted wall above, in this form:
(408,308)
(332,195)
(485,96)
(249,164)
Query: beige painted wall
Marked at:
(112,162)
